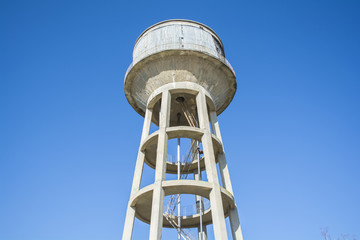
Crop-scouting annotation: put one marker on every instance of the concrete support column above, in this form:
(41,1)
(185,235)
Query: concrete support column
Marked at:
(156,221)
(225,177)
(217,211)
(130,212)
(224,170)
(235,224)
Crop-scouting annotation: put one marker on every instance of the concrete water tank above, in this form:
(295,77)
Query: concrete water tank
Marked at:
(179,51)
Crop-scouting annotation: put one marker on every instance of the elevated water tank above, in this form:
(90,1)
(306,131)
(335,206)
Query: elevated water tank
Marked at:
(179,51)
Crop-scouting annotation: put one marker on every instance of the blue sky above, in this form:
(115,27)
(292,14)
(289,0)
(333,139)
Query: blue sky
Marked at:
(69,139)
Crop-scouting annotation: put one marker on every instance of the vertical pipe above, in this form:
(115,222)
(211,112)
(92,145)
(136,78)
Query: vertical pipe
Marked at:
(201,230)
(200,198)
(179,200)
(197,177)
(178,177)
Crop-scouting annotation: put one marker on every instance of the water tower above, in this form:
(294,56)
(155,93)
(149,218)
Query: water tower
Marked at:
(179,81)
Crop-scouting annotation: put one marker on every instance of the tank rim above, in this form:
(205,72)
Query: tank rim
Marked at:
(180,20)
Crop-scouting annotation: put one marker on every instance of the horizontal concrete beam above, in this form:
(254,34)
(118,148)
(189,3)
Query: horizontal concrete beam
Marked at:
(142,200)
(149,146)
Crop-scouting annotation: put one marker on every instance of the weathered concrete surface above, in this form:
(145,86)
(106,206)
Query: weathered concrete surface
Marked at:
(178,34)
(179,66)
(130,212)
(218,216)
(225,176)
(160,169)
(179,51)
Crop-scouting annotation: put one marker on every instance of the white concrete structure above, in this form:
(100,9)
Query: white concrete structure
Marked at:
(180,81)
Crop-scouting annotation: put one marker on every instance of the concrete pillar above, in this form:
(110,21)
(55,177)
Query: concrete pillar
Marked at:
(225,177)
(235,224)
(224,171)
(217,211)
(130,212)
(156,221)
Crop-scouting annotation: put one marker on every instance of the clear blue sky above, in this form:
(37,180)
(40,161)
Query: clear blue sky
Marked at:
(69,139)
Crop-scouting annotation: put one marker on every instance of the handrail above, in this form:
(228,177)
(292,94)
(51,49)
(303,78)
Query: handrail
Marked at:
(191,209)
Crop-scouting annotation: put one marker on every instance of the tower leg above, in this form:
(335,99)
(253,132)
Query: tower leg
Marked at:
(217,211)
(235,224)
(156,221)
(130,212)
(225,177)
(129,223)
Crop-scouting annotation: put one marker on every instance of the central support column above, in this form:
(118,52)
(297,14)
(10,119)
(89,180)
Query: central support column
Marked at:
(157,208)
(217,211)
